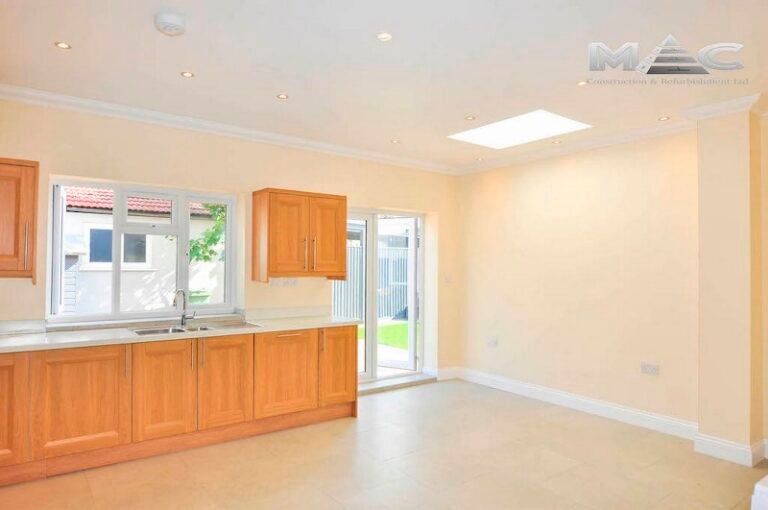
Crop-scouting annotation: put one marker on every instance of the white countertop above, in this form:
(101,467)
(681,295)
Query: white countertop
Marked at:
(123,335)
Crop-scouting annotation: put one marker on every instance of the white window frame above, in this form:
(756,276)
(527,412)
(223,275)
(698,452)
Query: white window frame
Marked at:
(178,227)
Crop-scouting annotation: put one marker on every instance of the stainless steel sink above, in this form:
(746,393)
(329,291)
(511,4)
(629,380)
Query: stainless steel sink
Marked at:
(194,329)
(159,331)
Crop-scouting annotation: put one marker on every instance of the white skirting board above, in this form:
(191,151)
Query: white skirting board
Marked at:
(747,455)
(744,454)
(657,422)
(760,495)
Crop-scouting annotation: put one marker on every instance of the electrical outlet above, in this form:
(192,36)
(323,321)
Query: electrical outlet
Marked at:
(492,341)
(649,368)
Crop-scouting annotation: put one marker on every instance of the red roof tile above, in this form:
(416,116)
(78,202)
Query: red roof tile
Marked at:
(102,199)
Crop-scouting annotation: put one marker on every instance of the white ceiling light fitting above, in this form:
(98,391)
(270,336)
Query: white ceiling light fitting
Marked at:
(170,23)
(384,36)
(525,128)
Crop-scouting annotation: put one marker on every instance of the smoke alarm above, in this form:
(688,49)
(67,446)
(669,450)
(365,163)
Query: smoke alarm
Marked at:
(170,24)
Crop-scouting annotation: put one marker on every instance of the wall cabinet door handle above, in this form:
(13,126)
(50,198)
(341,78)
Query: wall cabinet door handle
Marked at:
(314,254)
(26,244)
(306,254)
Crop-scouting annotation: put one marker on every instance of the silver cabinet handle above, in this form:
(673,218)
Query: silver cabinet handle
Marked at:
(26,244)
(288,334)
(192,355)
(127,356)
(322,340)
(202,353)
(314,254)
(306,253)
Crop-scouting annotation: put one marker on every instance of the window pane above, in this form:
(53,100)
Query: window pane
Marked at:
(151,286)
(101,245)
(85,283)
(143,209)
(207,245)
(135,248)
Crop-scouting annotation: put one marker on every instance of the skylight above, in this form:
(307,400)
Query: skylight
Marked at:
(525,128)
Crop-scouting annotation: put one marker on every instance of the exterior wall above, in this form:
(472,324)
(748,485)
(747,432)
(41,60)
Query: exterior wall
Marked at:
(77,144)
(584,266)
(93,282)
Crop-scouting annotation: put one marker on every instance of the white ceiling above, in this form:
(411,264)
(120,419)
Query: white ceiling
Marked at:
(449,58)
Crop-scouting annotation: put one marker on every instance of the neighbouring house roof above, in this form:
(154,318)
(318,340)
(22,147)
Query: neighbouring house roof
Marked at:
(100,200)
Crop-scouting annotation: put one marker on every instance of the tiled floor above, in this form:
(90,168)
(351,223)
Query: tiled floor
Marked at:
(449,445)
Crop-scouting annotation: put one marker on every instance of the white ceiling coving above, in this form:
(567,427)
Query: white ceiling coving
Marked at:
(350,93)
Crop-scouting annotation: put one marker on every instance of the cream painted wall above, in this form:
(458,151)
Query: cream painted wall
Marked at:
(70,143)
(583,267)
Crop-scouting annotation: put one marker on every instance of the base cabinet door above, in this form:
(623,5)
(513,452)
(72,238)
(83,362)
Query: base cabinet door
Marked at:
(81,399)
(338,365)
(14,408)
(286,365)
(164,389)
(224,380)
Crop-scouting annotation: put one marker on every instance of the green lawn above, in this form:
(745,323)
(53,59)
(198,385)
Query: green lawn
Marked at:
(393,335)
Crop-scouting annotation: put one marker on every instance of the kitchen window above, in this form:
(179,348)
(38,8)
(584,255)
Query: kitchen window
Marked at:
(168,240)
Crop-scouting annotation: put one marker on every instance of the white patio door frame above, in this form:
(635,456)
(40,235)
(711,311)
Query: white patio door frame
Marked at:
(415,299)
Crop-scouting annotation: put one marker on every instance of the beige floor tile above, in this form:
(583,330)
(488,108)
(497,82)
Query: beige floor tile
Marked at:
(485,492)
(600,488)
(66,492)
(680,502)
(450,445)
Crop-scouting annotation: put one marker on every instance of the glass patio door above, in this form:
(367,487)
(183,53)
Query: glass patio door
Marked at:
(381,290)
(397,308)
(350,296)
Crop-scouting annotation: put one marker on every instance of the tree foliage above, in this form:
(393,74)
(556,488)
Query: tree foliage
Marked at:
(209,245)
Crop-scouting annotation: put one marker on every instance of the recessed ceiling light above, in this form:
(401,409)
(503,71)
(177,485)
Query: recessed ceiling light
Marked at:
(525,128)
(395,140)
(582,83)
(188,74)
(282,96)
(479,159)
(62,45)
(664,118)
(557,142)
(469,117)
(384,36)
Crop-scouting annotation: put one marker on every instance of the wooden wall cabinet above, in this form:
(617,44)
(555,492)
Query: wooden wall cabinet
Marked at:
(164,389)
(81,399)
(224,380)
(14,408)
(18,217)
(298,234)
(338,365)
(286,367)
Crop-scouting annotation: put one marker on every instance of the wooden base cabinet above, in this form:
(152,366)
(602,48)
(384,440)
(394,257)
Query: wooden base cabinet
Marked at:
(224,380)
(338,365)
(81,399)
(164,389)
(14,408)
(286,367)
